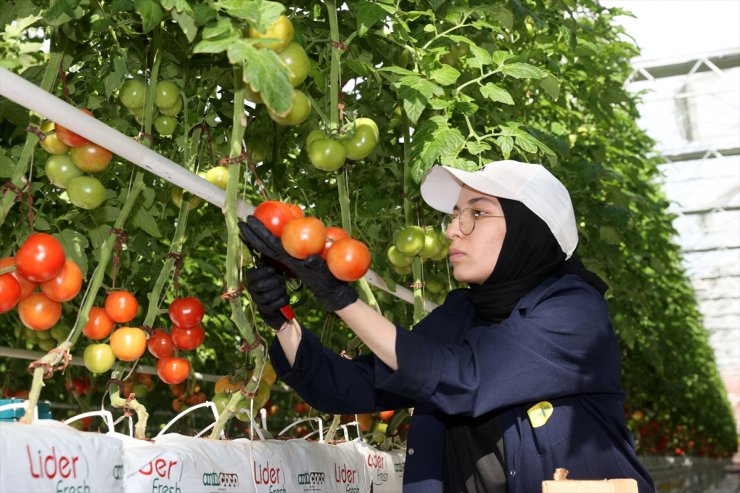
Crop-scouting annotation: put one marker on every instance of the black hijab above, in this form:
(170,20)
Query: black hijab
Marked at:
(529,254)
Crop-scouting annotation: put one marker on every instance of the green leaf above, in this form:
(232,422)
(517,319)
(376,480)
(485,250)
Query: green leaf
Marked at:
(415,92)
(141,218)
(151,13)
(445,76)
(480,57)
(75,244)
(397,70)
(266,73)
(214,46)
(368,14)
(475,147)
(115,77)
(506,144)
(520,70)
(500,57)
(551,85)
(496,93)
(258,13)
(221,28)
(186,23)
(433,139)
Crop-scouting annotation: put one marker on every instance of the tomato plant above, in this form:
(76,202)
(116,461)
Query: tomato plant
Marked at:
(188,338)
(173,370)
(98,358)
(51,142)
(160,344)
(121,306)
(303,236)
(90,158)
(294,57)
(186,312)
(65,285)
(40,258)
(348,259)
(10,292)
(37,312)
(69,138)
(278,35)
(274,215)
(85,192)
(98,325)
(128,343)
(333,233)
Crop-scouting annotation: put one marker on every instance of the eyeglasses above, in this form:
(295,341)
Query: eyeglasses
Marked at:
(467,219)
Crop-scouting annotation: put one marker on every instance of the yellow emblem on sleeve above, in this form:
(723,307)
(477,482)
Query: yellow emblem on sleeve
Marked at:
(540,413)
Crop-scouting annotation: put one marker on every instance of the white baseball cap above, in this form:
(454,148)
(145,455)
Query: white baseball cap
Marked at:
(530,184)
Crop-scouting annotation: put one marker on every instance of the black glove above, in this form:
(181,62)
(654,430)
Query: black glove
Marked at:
(332,293)
(266,286)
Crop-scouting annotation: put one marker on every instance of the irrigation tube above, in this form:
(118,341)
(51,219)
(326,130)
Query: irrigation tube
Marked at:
(32,97)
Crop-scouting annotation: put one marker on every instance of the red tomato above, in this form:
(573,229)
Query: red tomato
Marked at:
(173,370)
(295,210)
(333,233)
(70,138)
(348,259)
(121,306)
(37,312)
(303,236)
(128,343)
(65,285)
(186,312)
(99,325)
(40,258)
(10,292)
(385,415)
(188,338)
(274,215)
(27,287)
(160,344)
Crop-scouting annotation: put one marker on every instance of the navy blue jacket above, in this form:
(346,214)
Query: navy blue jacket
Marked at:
(556,352)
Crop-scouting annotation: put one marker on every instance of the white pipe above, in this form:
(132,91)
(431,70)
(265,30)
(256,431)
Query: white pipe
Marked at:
(34,98)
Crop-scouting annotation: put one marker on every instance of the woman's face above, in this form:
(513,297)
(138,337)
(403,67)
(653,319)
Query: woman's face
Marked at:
(474,256)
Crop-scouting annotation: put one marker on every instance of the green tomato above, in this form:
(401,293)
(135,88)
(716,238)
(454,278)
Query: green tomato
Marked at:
(298,112)
(220,400)
(294,57)
(98,358)
(176,196)
(361,144)
(59,332)
(432,245)
(60,169)
(51,143)
(398,259)
(132,94)
(368,121)
(410,240)
(327,154)
(219,176)
(313,136)
(280,34)
(86,192)
(166,94)
(174,110)
(165,125)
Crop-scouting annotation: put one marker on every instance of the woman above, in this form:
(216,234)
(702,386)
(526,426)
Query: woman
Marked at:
(510,378)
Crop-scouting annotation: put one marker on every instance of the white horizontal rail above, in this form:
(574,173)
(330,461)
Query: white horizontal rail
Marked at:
(32,97)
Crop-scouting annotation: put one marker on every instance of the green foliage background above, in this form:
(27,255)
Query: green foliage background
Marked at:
(460,83)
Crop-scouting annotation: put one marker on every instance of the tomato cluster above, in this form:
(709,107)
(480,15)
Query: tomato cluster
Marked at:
(227,385)
(413,241)
(167,99)
(348,259)
(39,262)
(357,140)
(294,57)
(72,155)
